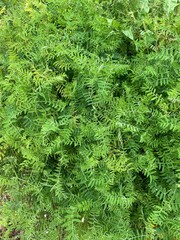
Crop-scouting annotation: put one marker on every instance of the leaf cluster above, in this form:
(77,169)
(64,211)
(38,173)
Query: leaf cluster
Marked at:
(89,119)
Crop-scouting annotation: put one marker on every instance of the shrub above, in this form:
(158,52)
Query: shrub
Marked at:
(89,119)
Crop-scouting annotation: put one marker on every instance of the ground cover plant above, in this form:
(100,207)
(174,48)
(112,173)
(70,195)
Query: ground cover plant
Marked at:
(89,119)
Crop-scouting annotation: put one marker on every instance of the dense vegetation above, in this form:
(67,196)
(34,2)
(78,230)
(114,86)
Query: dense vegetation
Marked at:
(89,119)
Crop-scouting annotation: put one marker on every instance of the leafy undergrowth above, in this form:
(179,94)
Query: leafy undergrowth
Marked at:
(89,119)
(13,234)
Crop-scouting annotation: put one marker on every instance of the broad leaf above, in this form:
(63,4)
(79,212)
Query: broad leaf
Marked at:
(144,5)
(128,33)
(170,5)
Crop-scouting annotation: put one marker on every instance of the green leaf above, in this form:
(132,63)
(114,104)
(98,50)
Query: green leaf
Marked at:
(170,5)
(128,33)
(144,5)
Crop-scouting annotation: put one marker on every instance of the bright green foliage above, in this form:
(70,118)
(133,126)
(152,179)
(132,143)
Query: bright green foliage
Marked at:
(89,119)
